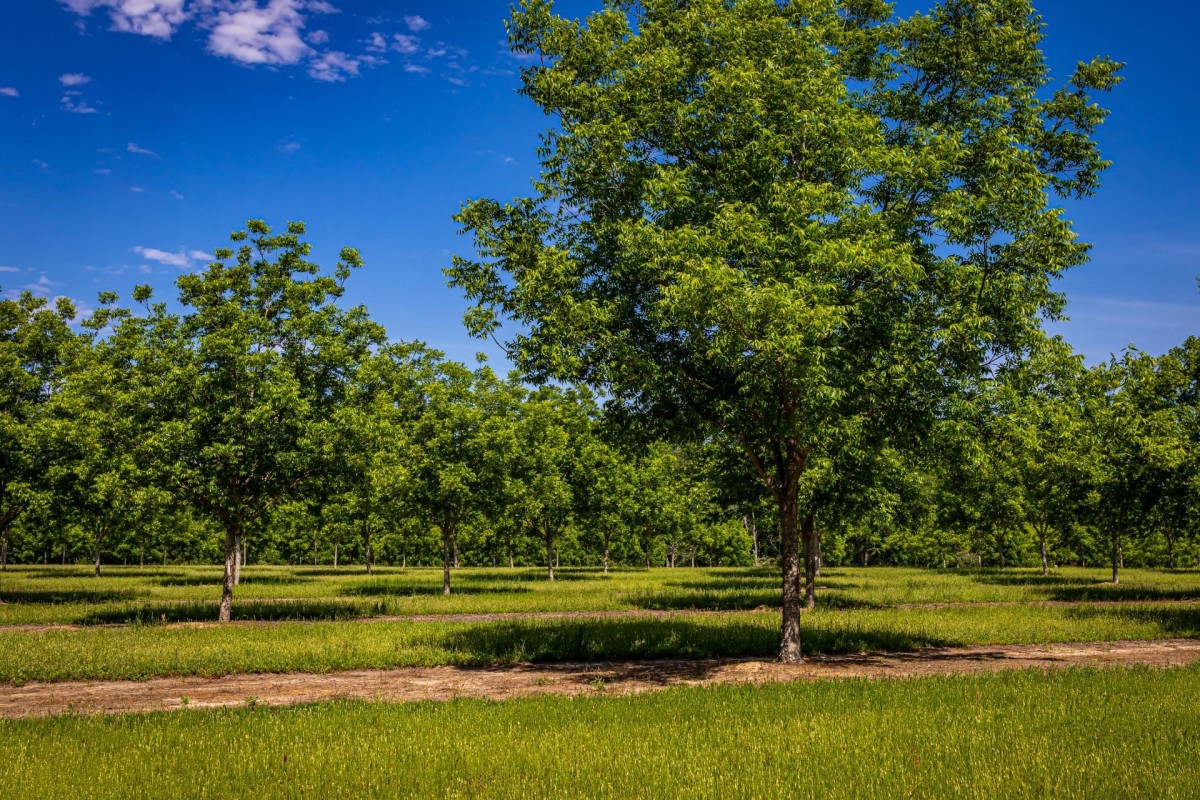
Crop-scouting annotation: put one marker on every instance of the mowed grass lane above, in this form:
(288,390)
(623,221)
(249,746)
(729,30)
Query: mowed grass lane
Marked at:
(1077,733)
(39,594)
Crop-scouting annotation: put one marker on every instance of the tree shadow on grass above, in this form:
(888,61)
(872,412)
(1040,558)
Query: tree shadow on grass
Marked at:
(1110,592)
(1035,580)
(244,610)
(425,589)
(635,639)
(1181,622)
(701,600)
(532,575)
(61,596)
(216,578)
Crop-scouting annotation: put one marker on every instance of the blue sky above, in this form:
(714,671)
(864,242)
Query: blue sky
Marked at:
(135,134)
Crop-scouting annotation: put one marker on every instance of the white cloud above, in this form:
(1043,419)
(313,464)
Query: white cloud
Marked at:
(408,45)
(42,286)
(156,18)
(77,105)
(142,151)
(163,257)
(183,259)
(74,79)
(254,35)
(136,189)
(333,67)
(10,269)
(37,162)
(176,195)
(317,37)
(102,171)
(416,24)
(376,43)
(9,91)
(289,147)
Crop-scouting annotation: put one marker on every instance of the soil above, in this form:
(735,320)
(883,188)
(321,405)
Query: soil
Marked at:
(503,683)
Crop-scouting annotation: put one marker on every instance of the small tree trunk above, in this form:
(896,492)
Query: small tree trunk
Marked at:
(550,557)
(64,554)
(335,555)
(4,554)
(446,534)
(98,540)
(1116,557)
(752,527)
(237,561)
(1045,554)
(369,556)
(142,556)
(606,549)
(1171,552)
(511,564)
(693,558)
(232,535)
(808,532)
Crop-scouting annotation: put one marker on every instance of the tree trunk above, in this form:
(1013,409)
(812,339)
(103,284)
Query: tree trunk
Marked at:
(64,554)
(820,552)
(98,541)
(789,547)
(142,556)
(237,561)
(368,555)
(233,535)
(511,564)
(808,533)
(549,557)
(446,559)
(335,555)
(1116,557)
(752,527)
(4,554)
(1171,552)
(456,550)
(606,550)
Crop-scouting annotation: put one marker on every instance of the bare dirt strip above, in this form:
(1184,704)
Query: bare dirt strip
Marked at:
(515,616)
(504,683)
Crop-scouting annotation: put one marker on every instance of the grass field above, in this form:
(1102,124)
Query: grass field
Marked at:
(1079,733)
(860,610)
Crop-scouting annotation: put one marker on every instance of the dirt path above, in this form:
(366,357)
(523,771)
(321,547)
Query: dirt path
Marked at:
(503,683)
(507,616)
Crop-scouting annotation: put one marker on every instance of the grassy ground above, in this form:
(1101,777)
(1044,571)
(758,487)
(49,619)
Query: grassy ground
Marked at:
(144,651)
(1110,733)
(129,594)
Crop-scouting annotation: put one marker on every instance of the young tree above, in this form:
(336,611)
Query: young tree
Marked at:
(796,224)
(261,359)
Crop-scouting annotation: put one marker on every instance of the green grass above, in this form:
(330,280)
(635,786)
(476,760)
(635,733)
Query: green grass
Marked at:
(37,594)
(1085,733)
(139,652)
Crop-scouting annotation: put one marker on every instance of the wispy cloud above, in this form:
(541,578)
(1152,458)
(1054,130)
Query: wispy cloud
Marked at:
(74,79)
(42,286)
(37,162)
(289,147)
(156,18)
(102,171)
(270,33)
(136,189)
(8,91)
(71,101)
(133,147)
(10,269)
(182,259)
(176,195)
